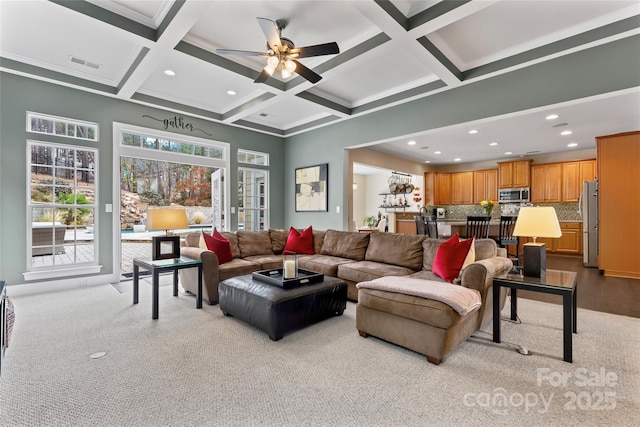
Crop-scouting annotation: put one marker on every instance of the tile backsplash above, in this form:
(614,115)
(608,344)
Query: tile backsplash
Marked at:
(565,211)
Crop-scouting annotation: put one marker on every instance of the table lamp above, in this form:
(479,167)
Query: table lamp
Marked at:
(164,218)
(536,222)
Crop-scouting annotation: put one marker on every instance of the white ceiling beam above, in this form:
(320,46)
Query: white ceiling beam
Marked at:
(173,33)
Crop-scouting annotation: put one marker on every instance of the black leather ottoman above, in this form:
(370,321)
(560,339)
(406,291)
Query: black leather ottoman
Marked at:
(276,310)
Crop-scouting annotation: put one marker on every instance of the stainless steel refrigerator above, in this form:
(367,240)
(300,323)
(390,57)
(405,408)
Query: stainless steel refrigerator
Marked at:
(589,214)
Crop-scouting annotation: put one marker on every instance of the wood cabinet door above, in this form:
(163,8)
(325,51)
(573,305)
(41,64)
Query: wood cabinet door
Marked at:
(520,174)
(485,185)
(462,188)
(538,184)
(443,189)
(571,240)
(491,185)
(587,171)
(546,183)
(554,183)
(571,184)
(505,175)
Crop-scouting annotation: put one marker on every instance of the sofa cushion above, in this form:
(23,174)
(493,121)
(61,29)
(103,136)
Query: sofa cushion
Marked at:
(300,242)
(220,246)
(404,250)
(318,240)
(450,257)
(345,244)
(266,262)
(237,267)
(364,271)
(278,239)
(429,248)
(254,243)
(325,264)
(423,310)
(485,248)
(233,243)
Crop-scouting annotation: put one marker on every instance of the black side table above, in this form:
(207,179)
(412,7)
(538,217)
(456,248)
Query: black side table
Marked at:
(556,282)
(158,266)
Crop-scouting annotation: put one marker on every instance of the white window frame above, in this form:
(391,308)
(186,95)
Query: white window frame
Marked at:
(62,120)
(266,210)
(67,269)
(257,153)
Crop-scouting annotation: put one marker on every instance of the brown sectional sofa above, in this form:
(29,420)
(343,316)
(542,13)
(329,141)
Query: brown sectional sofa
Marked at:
(351,256)
(423,325)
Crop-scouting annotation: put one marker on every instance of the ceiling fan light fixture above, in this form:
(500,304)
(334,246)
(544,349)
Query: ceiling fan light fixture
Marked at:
(290,65)
(273,62)
(269,69)
(285,73)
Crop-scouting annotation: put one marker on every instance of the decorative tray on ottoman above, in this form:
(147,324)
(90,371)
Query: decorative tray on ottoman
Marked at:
(274,277)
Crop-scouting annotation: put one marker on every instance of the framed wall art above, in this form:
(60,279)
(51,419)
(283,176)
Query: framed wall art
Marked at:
(312,188)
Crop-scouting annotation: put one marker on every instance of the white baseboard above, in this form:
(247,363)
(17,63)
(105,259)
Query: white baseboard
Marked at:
(58,285)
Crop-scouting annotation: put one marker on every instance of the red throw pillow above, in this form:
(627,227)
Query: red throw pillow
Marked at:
(220,246)
(450,256)
(300,243)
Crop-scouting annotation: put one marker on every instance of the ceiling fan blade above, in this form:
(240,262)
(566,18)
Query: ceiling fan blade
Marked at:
(240,52)
(262,77)
(316,50)
(270,31)
(307,73)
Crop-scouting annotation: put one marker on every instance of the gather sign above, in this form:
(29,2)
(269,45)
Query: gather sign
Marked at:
(177,122)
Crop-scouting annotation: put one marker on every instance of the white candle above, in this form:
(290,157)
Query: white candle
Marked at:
(289,269)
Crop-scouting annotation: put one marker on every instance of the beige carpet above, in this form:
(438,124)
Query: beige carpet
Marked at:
(197,368)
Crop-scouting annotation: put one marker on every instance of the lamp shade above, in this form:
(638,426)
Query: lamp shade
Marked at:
(166,218)
(537,222)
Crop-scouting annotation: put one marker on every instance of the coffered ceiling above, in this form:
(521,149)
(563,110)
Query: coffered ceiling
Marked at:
(391,52)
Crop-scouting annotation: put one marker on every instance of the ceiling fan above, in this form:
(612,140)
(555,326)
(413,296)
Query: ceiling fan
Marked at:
(282,54)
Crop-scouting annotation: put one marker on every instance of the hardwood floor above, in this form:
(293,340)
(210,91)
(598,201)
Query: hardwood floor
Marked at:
(595,291)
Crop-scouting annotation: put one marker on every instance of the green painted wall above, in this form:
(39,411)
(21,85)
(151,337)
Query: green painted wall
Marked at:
(610,67)
(19,95)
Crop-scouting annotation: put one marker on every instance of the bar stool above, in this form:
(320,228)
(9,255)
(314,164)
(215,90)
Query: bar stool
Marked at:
(478,227)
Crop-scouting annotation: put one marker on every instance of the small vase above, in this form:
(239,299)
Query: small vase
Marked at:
(488,210)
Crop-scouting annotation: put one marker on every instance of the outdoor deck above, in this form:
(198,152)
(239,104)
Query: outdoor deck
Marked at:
(134,245)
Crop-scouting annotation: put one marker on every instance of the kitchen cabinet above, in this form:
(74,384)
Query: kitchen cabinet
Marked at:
(618,157)
(570,243)
(514,174)
(573,175)
(546,183)
(442,189)
(406,226)
(485,185)
(462,188)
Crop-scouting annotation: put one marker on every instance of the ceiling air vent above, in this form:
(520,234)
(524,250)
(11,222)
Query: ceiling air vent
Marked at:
(84,62)
(424,148)
(532,152)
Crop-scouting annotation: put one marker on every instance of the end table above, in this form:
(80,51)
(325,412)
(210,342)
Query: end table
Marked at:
(158,266)
(555,282)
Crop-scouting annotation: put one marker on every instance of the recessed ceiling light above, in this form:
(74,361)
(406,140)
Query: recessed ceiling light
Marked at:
(411,143)
(427,161)
(493,144)
(170,72)
(437,152)
(572,144)
(552,117)
(231,92)
(457,159)
(473,131)
(507,153)
(566,132)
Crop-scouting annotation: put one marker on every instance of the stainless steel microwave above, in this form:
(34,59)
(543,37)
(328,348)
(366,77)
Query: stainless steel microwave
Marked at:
(513,195)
